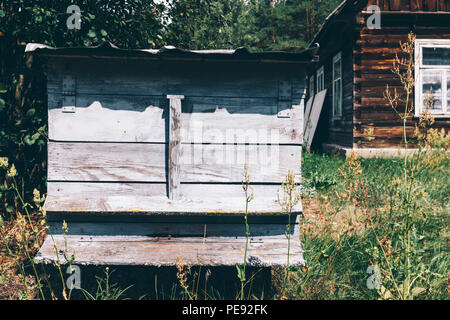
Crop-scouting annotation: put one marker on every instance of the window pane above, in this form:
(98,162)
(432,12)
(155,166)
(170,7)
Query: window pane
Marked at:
(432,88)
(337,101)
(448,91)
(340,97)
(319,82)
(337,69)
(436,56)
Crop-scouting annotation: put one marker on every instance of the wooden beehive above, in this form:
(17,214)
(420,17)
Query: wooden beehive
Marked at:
(147,148)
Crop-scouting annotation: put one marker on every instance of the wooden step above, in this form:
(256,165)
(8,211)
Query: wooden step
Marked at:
(151,198)
(161,240)
(165,251)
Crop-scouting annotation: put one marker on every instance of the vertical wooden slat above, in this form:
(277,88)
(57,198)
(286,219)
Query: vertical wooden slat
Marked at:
(430,5)
(416,5)
(69,89)
(397,5)
(174,145)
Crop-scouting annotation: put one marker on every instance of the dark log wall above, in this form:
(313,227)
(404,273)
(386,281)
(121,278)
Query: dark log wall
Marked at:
(412,5)
(374,54)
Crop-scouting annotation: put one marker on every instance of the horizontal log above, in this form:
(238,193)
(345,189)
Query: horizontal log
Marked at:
(383,132)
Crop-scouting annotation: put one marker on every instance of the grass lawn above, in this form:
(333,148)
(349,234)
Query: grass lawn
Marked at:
(357,213)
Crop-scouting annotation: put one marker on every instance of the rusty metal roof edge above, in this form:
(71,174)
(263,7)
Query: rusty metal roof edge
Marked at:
(107,49)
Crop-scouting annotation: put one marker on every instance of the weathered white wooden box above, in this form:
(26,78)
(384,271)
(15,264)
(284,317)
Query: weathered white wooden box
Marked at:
(147,148)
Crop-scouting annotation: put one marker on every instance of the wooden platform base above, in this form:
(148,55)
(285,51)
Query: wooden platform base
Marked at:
(151,239)
(164,251)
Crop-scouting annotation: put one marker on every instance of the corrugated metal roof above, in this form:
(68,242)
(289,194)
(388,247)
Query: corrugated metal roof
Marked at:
(109,50)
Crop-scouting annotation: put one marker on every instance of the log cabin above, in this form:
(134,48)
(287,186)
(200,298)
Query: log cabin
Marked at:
(355,65)
(146,154)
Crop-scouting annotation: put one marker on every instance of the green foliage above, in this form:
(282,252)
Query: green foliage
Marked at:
(23,98)
(255,24)
(400,227)
(105,289)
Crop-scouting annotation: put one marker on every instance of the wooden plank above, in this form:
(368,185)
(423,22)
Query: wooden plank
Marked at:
(430,5)
(151,198)
(225,163)
(221,126)
(213,87)
(316,109)
(173,161)
(397,5)
(100,123)
(142,119)
(138,162)
(136,250)
(180,229)
(106,162)
(416,5)
(307,114)
(121,84)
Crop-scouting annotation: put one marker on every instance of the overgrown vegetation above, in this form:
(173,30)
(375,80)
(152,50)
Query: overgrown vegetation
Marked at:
(372,228)
(388,218)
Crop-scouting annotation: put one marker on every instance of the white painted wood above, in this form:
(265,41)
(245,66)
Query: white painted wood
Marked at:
(142,119)
(97,123)
(143,162)
(222,126)
(152,198)
(316,109)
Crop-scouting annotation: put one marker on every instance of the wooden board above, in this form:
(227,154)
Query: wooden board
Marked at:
(152,251)
(101,123)
(151,198)
(186,228)
(143,119)
(316,109)
(307,115)
(174,150)
(144,162)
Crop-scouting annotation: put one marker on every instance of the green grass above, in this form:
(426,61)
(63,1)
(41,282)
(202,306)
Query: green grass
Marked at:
(349,219)
(339,243)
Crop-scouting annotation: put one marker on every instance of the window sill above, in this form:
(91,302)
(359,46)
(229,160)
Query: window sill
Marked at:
(436,115)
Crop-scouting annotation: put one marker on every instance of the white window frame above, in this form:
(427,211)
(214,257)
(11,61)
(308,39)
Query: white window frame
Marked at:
(320,83)
(311,86)
(337,57)
(419,107)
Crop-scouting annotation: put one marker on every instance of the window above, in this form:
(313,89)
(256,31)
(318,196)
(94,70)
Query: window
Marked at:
(311,86)
(320,80)
(337,86)
(432,76)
